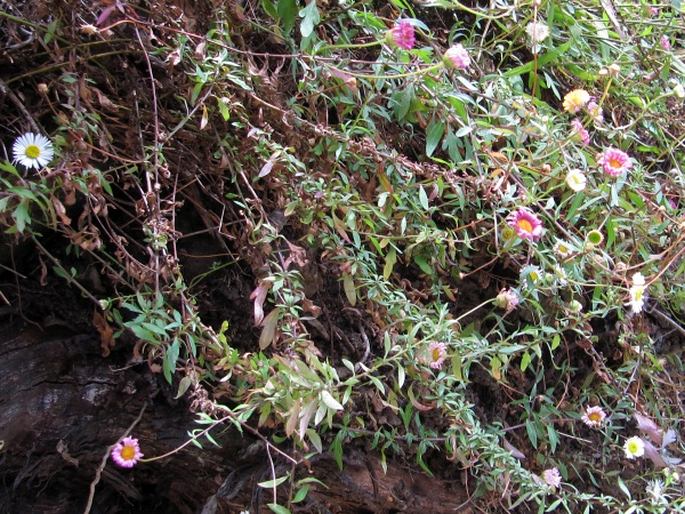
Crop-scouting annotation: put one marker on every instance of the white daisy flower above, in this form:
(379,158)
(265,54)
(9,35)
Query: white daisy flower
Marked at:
(576,180)
(637,293)
(634,447)
(532,275)
(537,32)
(563,249)
(33,150)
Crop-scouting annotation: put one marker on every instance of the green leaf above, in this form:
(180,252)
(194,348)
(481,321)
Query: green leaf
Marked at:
(287,12)
(434,133)
(301,494)
(556,341)
(9,168)
(170,358)
(336,450)
(553,437)
(269,484)
(330,402)
(310,18)
(623,487)
(532,433)
(423,198)
(315,439)
(379,385)
(350,293)
(223,109)
(21,216)
(542,60)
(183,387)
(278,509)
(525,361)
(403,103)
(269,8)
(390,261)
(52,28)
(423,264)
(142,333)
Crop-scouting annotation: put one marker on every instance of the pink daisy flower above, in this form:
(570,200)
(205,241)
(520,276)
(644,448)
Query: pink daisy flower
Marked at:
(456,57)
(594,416)
(614,162)
(437,353)
(508,299)
(578,129)
(526,224)
(595,111)
(665,43)
(126,453)
(402,35)
(552,477)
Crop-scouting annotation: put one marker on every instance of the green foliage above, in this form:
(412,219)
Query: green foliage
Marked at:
(397,179)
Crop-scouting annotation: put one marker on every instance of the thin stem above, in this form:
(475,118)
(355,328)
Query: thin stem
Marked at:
(66,274)
(472,310)
(195,437)
(103,462)
(421,71)
(351,45)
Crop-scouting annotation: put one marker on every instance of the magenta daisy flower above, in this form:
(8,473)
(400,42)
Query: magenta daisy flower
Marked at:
(526,224)
(614,162)
(402,35)
(456,57)
(580,131)
(126,453)
(437,353)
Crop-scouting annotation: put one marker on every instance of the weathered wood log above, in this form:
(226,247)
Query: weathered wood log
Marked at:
(62,405)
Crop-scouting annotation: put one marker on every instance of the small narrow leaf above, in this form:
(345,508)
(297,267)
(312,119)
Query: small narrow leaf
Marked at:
(390,261)
(273,483)
(348,286)
(269,331)
(278,509)
(423,198)
(434,133)
(330,402)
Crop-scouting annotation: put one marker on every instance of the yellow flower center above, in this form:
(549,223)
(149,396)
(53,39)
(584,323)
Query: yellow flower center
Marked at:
(128,453)
(525,225)
(633,447)
(32,151)
(436,354)
(615,163)
(595,417)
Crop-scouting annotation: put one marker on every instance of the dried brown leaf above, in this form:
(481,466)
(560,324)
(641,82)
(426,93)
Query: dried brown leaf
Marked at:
(268,334)
(258,296)
(106,333)
(61,211)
